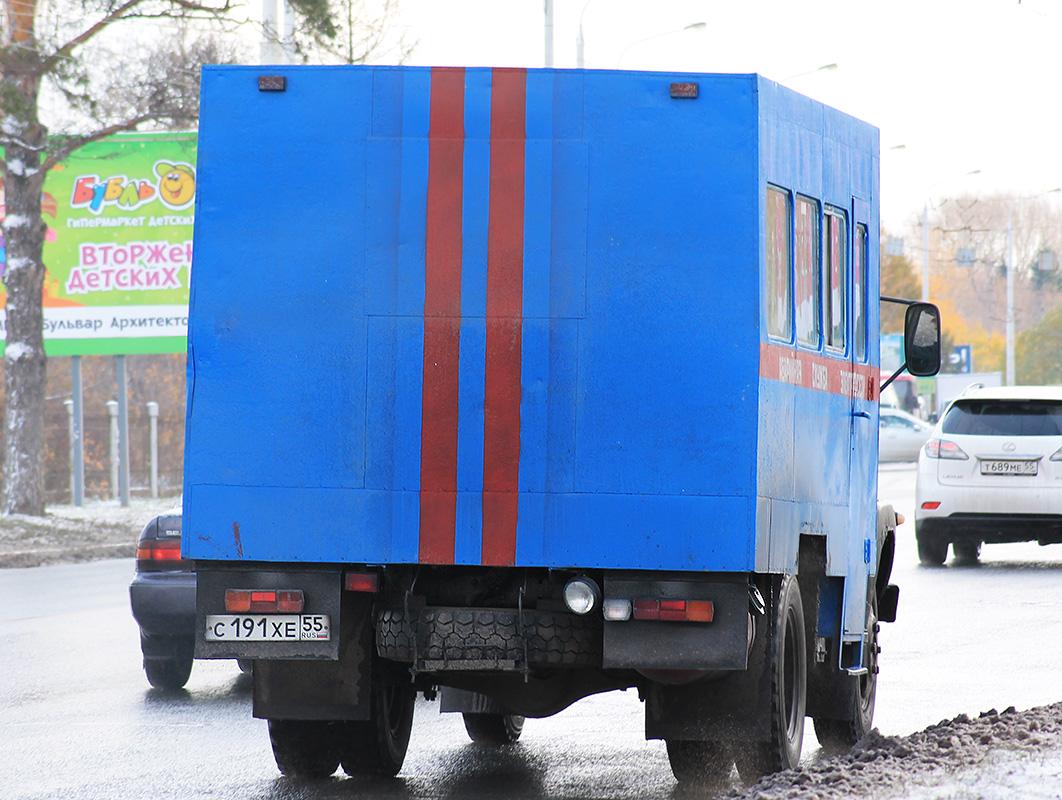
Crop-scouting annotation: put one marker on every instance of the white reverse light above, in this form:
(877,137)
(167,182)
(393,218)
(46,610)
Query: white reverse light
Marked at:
(617,609)
(581,595)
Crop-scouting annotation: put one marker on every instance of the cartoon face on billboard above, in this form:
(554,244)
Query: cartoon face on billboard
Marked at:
(176,184)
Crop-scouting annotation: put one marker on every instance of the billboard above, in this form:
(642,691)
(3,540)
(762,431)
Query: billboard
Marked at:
(118,250)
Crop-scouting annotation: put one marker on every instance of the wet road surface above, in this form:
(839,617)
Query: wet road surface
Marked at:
(79,721)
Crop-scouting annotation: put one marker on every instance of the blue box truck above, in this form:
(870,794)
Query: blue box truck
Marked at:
(508,387)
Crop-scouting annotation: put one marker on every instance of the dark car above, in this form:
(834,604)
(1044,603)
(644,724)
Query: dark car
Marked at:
(162,595)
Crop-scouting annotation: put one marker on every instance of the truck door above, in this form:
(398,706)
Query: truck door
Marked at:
(864,428)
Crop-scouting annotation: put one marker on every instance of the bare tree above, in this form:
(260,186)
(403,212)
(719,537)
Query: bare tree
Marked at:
(349,31)
(76,60)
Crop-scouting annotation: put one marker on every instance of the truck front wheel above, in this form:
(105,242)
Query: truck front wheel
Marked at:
(860,693)
(788,667)
(377,746)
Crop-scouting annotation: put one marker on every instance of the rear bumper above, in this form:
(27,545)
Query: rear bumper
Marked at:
(992,528)
(163,603)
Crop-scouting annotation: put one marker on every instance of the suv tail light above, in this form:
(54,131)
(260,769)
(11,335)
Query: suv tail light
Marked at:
(160,555)
(942,448)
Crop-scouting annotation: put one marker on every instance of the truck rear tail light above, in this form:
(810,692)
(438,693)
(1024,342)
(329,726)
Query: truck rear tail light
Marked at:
(674,610)
(264,601)
(156,555)
(361,582)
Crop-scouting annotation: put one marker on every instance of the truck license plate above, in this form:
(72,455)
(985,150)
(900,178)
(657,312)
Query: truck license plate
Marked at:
(267,628)
(1008,467)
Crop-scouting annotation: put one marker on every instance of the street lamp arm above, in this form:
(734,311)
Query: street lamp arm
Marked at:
(696,26)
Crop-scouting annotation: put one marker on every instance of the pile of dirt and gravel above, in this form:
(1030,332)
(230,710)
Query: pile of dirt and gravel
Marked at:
(70,534)
(1009,754)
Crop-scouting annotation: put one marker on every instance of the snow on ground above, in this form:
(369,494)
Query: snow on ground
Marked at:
(996,756)
(67,533)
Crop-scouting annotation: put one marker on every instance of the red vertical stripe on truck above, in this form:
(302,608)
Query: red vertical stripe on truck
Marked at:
(505,297)
(442,317)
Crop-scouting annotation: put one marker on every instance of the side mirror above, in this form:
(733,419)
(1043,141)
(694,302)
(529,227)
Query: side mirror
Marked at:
(921,339)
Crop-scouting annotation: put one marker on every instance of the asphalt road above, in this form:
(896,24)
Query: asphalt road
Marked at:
(78,719)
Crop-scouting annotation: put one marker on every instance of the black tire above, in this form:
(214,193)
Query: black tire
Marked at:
(967,552)
(493,729)
(932,552)
(305,748)
(788,666)
(861,694)
(700,763)
(377,746)
(167,660)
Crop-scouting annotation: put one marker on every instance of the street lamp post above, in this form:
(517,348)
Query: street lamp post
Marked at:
(549,33)
(580,42)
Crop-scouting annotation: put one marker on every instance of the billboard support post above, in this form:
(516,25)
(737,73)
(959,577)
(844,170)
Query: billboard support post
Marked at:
(77,433)
(153,419)
(123,429)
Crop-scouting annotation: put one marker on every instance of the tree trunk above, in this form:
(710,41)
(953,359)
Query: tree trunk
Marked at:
(24,360)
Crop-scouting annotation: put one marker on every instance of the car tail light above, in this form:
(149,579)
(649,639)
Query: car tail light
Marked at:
(1057,455)
(931,505)
(942,448)
(264,601)
(158,555)
(646,608)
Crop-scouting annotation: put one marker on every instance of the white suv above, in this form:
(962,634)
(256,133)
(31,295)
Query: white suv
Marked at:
(991,472)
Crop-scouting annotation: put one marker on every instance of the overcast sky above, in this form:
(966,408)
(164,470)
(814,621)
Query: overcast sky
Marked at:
(961,85)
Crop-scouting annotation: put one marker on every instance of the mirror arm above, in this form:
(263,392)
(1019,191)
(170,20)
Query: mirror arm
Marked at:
(899,300)
(892,377)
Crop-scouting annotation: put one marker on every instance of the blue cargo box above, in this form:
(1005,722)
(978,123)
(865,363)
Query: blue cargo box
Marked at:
(518,317)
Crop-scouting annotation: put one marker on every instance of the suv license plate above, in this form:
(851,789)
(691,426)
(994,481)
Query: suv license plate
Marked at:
(267,628)
(1008,467)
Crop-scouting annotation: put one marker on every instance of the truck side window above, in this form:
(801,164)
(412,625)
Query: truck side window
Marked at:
(779,262)
(808,287)
(859,300)
(834,279)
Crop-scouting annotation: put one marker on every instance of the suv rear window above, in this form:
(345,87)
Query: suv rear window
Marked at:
(1005,418)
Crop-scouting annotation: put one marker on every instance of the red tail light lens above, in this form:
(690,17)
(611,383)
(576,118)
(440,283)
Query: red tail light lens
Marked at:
(674,610)
(361,582)
(264,601)
(157,555)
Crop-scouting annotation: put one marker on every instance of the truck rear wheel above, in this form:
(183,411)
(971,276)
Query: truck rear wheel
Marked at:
(699,763)
(305,748)
(788,667)
(496,729)
(377,746)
